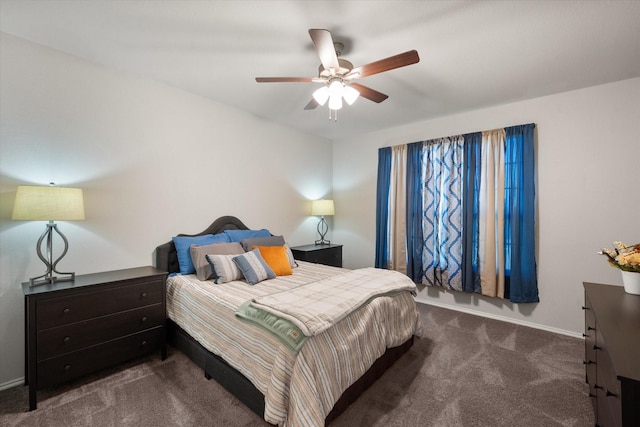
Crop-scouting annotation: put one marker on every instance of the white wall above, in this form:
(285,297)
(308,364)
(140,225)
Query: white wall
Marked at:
(588,147)
(153,161)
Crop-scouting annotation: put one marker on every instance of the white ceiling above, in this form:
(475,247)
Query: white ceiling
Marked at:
(473,53)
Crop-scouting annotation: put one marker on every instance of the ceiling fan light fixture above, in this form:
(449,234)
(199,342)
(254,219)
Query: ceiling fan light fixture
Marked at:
(336,88)
(335,102)
(350,94)
(321,95)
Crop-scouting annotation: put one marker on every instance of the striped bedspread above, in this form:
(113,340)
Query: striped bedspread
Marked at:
(319,305)
(300,389)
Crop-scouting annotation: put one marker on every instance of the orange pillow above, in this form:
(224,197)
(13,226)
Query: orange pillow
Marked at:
(276,257)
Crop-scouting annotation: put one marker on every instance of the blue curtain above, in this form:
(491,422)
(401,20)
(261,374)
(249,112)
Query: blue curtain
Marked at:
(521,283)
(382,207)
(415,240)
(470,226)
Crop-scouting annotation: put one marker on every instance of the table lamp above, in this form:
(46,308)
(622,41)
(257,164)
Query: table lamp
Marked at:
(42,203)
(322,207)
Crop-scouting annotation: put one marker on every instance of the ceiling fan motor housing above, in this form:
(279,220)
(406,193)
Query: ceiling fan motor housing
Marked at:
(345,67)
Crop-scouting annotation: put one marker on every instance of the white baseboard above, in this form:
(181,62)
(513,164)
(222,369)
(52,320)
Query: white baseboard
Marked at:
(12,383)
(501,318)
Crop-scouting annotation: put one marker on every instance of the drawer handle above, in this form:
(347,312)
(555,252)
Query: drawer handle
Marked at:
(66,310)
(67,368)
(595,347)
(589,328)
(585,308)
(143,343)
(143,295)
(585,335)
(588,362)
(609,394)
(66,339)
(144,319)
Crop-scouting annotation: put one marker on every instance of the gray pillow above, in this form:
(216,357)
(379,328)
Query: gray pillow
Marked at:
(199,256)
(248,245)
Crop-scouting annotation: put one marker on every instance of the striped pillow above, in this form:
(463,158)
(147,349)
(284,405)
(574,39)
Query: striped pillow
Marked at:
(224,269)
(253,267)
(204,269)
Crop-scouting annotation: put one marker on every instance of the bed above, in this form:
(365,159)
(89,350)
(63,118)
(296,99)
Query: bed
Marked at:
(279,401)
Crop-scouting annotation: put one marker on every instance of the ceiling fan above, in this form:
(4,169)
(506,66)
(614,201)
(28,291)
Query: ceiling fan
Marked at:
(338,75)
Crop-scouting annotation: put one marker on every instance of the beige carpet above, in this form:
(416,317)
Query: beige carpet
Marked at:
(465,371)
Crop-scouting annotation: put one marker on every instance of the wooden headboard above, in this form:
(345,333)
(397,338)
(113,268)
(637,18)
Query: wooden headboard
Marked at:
(166,256)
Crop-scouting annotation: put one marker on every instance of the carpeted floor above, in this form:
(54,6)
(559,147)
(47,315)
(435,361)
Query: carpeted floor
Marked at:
(465,371)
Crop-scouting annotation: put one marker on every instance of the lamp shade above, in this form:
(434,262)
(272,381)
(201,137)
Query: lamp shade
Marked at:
(350,94)
(321,95)
(40,203)
(322,207)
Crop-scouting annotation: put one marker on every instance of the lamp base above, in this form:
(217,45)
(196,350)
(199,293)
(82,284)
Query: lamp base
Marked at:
(323,227)
(48,277)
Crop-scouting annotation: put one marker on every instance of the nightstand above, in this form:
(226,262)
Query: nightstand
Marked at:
(98,320)
(319,254)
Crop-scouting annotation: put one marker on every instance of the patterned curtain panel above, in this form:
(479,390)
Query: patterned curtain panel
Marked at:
(442,212)
(468,214)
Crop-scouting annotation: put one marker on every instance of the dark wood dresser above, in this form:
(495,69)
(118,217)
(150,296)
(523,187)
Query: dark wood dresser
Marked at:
(98,320)
(612,354)
(319,254)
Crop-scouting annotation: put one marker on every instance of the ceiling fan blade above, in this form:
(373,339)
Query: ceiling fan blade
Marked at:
(311,105)
(285,79)
(393,62)
(370,94)
(323,42)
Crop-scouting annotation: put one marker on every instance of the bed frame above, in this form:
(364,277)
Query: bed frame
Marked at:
(217,368)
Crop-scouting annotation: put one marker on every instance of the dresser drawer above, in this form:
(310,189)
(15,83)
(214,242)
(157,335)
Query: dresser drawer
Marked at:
(608,389)
(65,310)
(64,339)
(75,364)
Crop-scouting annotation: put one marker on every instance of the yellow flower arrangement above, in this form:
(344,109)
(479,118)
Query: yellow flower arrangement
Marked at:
(624,257)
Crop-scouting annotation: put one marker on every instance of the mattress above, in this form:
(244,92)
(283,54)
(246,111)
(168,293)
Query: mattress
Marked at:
(299,389)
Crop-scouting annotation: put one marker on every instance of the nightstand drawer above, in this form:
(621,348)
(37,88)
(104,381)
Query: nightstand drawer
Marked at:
(319,254)
(328,258)
(75,364)
(64,339)
(65,310)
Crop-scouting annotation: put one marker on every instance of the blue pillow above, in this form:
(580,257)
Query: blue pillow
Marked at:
(254,268)
(183,243)
(240,235)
